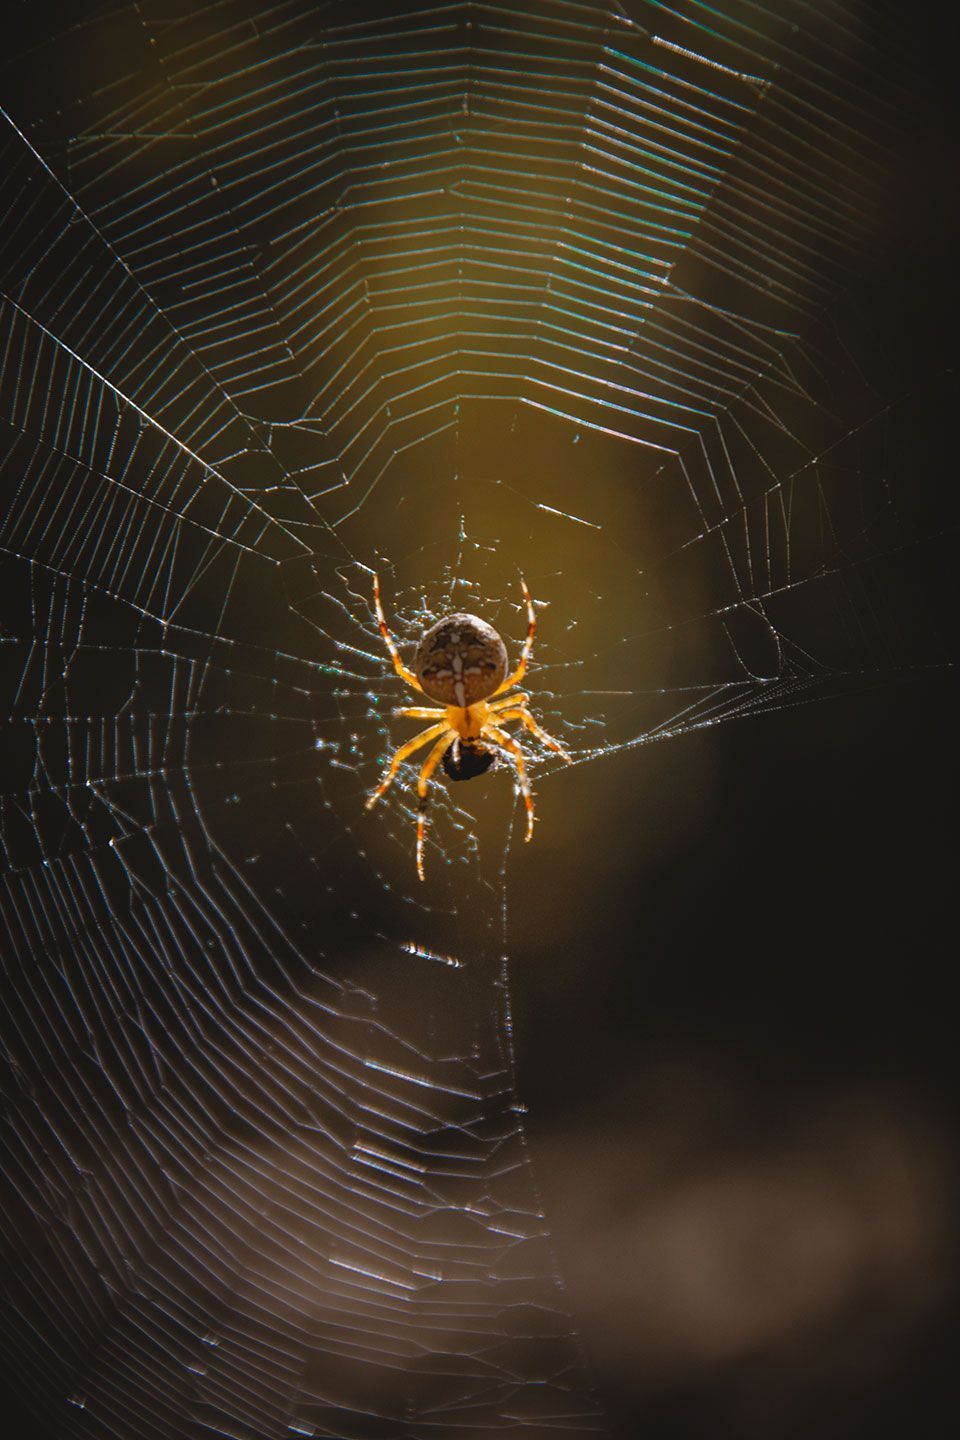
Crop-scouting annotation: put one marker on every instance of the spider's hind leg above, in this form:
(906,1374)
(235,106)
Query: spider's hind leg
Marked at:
(521,669)
(389,641)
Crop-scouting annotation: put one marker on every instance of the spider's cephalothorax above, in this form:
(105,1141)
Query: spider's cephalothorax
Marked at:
(460,660)
(462,663)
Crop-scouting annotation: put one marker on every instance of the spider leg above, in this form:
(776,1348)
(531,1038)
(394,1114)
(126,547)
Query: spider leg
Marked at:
(520,699)
(523,714)
(389,641)
(506,742)
(420,712)
(423,785)
(521,669)
(400,755)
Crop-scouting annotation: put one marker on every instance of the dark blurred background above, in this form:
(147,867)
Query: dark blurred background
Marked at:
(730,952)
(741,1063)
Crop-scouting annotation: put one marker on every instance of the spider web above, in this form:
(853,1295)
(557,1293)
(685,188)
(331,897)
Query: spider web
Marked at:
(453,292)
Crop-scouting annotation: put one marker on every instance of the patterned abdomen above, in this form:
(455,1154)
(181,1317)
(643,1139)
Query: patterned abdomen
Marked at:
(460,660)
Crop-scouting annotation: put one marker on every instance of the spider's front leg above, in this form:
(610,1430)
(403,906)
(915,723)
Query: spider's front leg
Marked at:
(400,755)
(423,785)
(420,712)
(514,707)
(506,742)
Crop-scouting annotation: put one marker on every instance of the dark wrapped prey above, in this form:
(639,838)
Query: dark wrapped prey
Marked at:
(464,761)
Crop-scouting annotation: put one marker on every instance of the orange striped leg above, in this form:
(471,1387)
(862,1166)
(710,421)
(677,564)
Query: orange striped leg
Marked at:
(388,640)
(423,785)
(400,755)
(519,699)
(521,669)
(523,714)
(510,745)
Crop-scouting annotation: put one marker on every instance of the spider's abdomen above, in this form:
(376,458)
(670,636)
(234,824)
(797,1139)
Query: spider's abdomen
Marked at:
(463,761)
(460,660)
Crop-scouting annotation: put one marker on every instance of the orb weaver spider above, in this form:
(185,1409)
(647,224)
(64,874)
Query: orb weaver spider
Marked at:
(461,662)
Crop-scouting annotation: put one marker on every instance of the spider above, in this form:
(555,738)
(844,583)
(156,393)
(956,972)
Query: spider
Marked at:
(461,662)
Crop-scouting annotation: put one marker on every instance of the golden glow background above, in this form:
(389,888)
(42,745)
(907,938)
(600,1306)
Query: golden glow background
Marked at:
(426,291)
